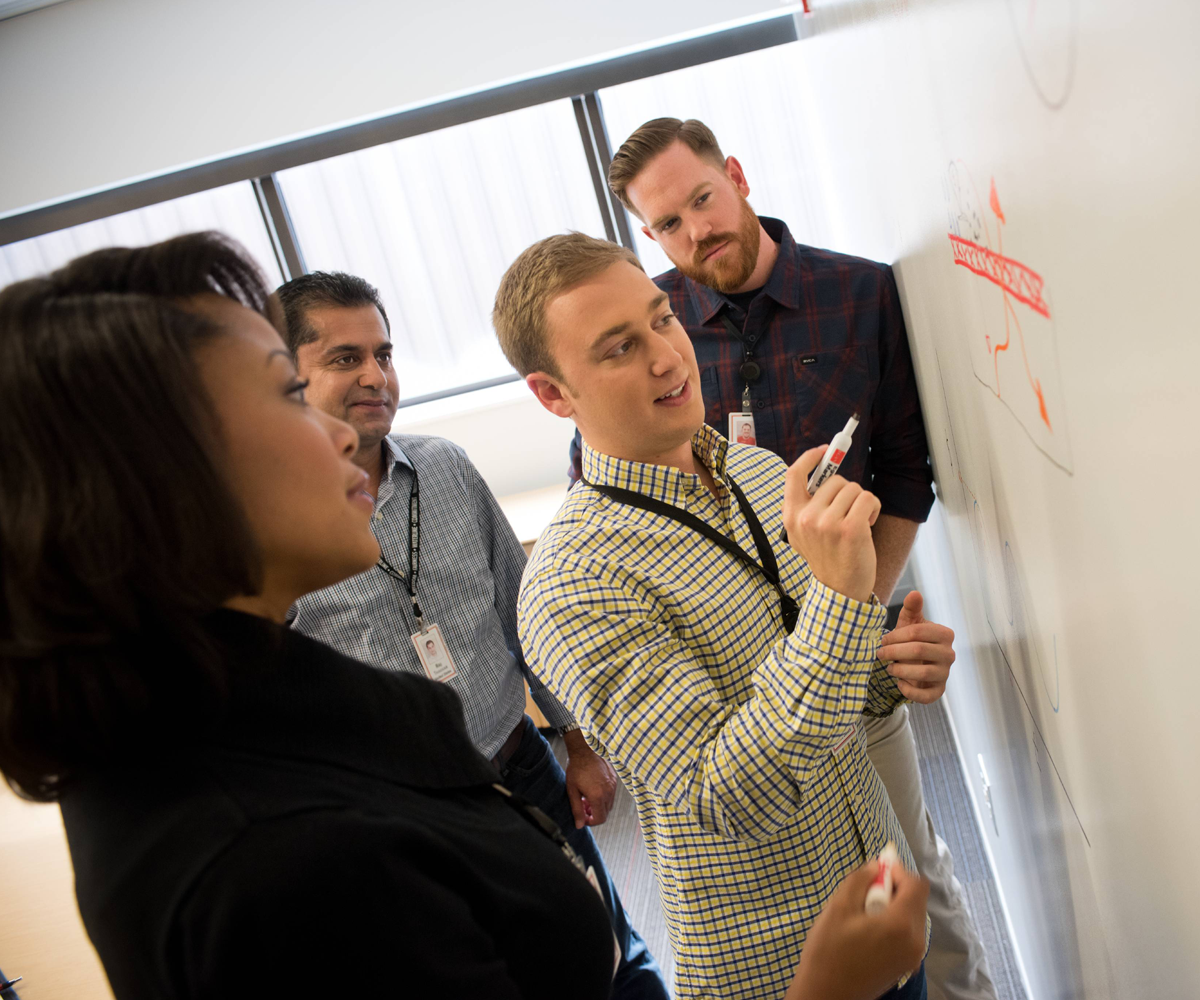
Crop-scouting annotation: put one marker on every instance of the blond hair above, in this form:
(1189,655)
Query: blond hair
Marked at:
(538,276)
(650,140)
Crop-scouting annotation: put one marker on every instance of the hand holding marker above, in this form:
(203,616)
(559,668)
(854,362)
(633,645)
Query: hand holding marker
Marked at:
(830,462)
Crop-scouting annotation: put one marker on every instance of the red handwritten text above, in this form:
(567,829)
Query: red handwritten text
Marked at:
(1014,277)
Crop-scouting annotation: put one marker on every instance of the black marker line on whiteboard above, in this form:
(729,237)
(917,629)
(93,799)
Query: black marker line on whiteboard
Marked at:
(831,461)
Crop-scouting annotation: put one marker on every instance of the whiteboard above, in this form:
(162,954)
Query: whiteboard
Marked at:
(1031,168)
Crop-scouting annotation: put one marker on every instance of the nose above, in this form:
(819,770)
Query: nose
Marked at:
(343,436)
(699,228)
(664,358)
(372,376)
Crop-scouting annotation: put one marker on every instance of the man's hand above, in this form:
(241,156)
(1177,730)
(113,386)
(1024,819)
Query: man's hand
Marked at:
(919,653)
(850,955)
(832,528)
(591,782)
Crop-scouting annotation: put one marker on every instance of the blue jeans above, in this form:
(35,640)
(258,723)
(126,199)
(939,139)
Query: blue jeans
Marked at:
(914,989)
(533,772)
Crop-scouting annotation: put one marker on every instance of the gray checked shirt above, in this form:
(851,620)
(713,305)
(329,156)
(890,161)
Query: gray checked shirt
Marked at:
(467,584)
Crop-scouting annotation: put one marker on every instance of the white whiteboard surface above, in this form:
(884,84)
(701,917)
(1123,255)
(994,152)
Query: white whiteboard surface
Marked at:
(1031,168)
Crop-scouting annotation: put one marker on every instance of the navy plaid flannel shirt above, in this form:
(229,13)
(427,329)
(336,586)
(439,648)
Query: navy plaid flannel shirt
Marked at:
(830,339)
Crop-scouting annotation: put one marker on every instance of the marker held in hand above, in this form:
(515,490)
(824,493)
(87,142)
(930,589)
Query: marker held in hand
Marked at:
(831,461)
(880,892)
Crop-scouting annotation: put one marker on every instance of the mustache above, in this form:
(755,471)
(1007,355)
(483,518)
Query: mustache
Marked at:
(710,243)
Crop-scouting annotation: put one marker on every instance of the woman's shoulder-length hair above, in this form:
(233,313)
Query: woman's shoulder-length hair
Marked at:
(118,531)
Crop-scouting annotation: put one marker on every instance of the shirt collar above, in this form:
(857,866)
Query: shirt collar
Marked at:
(393,453)
(781,284)
(663,482)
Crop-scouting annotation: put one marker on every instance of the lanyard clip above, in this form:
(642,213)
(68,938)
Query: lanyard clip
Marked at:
(746,398)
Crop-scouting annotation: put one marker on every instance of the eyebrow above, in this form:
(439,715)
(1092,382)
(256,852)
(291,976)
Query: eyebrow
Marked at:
(352,349)
(658,223)
(620,328)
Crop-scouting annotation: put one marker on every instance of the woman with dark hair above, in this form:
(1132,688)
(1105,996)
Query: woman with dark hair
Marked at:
(250,813)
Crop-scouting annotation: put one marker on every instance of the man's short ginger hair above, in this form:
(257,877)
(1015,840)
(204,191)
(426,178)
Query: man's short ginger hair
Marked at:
(536,278)
(653,138)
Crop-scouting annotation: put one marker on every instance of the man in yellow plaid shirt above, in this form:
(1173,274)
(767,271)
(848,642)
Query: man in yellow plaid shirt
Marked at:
(651,609)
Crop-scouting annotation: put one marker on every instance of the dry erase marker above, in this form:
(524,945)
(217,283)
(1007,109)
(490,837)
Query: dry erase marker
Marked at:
(831,461)
(880,892)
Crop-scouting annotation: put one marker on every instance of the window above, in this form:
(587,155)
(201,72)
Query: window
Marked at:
(434,220)
(232,209)
(757,116)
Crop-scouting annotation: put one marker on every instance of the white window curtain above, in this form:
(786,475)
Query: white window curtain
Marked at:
(433,221)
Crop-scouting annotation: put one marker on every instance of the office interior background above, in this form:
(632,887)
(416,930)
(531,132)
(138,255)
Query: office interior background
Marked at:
(424,146)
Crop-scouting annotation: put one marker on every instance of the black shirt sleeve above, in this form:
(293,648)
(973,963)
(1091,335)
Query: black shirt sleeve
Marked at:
(902,477)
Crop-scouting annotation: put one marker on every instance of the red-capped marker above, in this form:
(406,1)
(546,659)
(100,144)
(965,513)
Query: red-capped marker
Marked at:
(880,892)
(830,462)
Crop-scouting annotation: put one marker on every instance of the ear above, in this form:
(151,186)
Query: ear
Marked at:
(550,394)
(304,357)
(734,171)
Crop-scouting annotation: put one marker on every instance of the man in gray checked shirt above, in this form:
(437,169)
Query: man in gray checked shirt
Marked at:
(434,513)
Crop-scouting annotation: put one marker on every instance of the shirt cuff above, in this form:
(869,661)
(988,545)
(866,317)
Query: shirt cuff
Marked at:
(557,715)
(903,497)
(845,630)
(883,693)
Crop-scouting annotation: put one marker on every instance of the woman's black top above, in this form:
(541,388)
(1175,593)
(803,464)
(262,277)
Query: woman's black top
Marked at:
(335,834)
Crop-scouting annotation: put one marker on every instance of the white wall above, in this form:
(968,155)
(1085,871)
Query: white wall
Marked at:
(514,442)
(96,92)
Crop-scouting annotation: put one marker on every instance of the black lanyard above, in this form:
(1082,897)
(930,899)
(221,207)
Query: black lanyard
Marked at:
(750,369)
(414,551)
(788,608)
(544,824)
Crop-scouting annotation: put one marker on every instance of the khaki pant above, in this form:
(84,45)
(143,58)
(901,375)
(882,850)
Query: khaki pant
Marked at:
(956,967)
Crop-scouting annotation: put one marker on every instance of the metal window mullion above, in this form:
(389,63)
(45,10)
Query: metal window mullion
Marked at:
(269,225)
(599,130)
(278,221)
(583,120)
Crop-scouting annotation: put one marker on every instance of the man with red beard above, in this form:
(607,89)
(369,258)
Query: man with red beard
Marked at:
(793,340)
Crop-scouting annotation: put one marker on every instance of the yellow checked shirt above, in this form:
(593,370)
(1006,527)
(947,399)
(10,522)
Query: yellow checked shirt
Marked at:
(742,747)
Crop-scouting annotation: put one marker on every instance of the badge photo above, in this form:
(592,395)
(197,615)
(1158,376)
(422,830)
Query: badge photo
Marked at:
(741,428)
(435,657)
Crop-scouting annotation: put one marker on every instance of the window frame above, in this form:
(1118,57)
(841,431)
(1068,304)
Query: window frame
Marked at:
(580,83)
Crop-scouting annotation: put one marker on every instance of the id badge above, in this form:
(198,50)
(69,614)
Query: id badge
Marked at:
(741,428)
(435,657)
